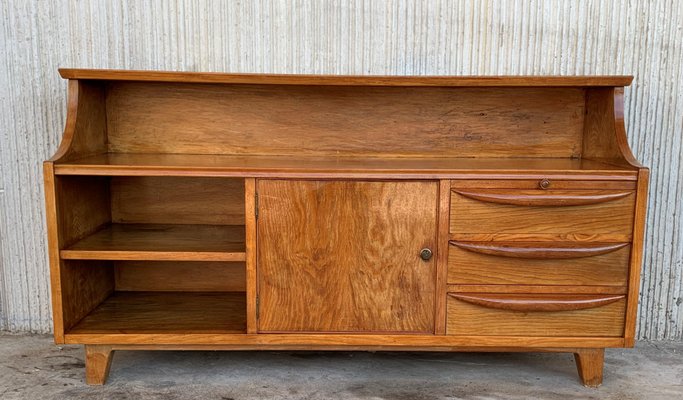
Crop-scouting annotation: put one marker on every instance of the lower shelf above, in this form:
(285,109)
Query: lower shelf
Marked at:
(167,313)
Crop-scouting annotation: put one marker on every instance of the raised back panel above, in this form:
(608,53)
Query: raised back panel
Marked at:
(144,117)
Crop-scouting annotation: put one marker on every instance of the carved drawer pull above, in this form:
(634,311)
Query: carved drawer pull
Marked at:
(556,199)
(537,302)
(539,249)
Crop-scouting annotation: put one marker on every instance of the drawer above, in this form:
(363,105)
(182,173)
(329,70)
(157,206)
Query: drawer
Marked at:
(484,314)
(493,214)
(538,263)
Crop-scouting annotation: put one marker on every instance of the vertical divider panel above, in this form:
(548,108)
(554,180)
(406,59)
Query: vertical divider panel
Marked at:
(250,242)
(443,216)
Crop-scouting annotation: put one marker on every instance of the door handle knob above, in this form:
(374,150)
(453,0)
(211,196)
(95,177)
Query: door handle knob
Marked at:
(425,254)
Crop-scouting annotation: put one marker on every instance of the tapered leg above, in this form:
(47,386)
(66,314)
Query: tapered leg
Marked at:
(589,363)
(97,363)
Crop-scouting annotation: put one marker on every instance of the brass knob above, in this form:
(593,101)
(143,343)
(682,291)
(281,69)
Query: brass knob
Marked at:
(425,254)
(544,184)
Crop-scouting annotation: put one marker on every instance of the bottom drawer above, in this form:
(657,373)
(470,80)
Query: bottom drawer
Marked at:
(484,314)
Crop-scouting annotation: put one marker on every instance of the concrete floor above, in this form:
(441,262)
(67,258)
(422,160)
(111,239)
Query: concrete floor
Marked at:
(32,367)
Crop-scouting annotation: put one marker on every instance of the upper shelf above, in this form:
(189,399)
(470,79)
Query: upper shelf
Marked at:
(358,80)
(122,164)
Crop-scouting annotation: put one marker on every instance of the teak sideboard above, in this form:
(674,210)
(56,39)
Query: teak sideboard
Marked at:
(288,212)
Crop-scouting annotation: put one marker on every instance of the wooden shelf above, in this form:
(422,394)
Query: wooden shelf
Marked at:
(126,164)
(161,242)
(167,312)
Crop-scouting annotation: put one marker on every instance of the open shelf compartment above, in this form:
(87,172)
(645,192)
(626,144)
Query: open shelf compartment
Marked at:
(166,312)
(163,242)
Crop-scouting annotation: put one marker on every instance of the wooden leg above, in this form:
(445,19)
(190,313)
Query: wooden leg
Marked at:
(97,363)
(589,362)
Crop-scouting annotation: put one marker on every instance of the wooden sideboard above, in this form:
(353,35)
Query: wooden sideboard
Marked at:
(284,212)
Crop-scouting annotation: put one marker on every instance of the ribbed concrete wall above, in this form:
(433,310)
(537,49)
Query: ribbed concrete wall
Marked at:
(568,37)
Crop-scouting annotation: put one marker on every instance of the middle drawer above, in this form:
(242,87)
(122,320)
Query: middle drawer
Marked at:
(538,263)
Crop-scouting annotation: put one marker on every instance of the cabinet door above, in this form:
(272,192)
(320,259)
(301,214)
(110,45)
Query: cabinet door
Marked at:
(345,256)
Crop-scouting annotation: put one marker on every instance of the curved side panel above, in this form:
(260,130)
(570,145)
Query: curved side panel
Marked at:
(604,135)
(85,131)
(620,129)
(70,126)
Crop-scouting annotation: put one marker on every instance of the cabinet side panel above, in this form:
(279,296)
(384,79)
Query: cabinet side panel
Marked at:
(333,120)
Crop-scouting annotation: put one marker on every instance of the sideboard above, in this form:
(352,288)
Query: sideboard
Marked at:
(195,211)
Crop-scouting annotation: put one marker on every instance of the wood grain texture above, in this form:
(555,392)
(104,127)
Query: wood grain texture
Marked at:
(477,268)
(636,262)
(166,312)
(323,245)
(251,253)
(569,288)
(304,341)
(80,215)
(335,120)
(470,319)
(177,200)
(298,166)
(52,226)
(471,216)
(85,131)
(84,285)
(97,363)
(535,198)
(161,242)
(533,250)
(77,287)
(180,276)
(604,130)
(556,184)
(358,80)
(442,257)
(589,363)
(537,302)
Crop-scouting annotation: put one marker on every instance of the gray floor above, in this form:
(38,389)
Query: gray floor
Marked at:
(32,367)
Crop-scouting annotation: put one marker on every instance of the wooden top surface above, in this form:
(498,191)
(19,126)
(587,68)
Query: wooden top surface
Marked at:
(349,167)
(341,80)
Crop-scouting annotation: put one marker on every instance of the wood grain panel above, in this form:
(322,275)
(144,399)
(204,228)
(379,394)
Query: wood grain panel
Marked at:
(470,319)
(468,267)
(180,276)
(344,256)
(335,120)
(167,312)
(471,216)
(161,242)
(85,131)
(78,214)
(84,285)
(177,200)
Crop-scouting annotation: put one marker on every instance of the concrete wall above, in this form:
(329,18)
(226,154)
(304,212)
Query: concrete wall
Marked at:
(438,37)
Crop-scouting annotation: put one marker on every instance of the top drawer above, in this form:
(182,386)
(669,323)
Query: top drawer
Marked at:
(499,210)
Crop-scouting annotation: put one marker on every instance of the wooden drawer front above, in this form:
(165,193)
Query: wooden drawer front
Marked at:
(565,213)
(524,263)
(482,314)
